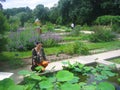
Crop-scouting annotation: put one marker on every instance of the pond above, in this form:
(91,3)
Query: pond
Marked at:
(76,77)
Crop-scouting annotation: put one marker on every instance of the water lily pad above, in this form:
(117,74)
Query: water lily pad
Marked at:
(64,75)
(36,77)
(24,72)
(69,86)
(46,85)
(105,86)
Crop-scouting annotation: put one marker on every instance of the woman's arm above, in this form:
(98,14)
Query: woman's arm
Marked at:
(43,54)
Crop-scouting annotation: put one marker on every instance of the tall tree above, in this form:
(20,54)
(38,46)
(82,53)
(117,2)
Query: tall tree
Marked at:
(41,13)
(54,14)
(3,28)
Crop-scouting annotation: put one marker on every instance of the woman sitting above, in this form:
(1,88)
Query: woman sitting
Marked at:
(38,57)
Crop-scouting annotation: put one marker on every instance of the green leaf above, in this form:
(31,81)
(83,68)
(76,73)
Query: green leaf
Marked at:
(24,72)
(69,86)
(101,77)
(77,69)
(105,86)
(29,86)
(81,66)
(74,80)
(64,75)
(82,84)
(87,69)
(119,79)
(36,77)
(52,79)
(46,84)
(39,68)
(6,83)
(16,87)
(89,87)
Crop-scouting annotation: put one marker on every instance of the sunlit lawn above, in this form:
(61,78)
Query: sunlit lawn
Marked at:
(80,37)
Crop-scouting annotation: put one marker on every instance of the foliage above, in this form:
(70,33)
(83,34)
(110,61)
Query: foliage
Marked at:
(41,13)
(61,80)
(116,28)
(54,15)
(100,72)
(106,46)
(24,17)
(64,76)
(115,60)
(80,48)
(66,11)
(107,20)
(101,34)
(76,30)
(49,27)
(77,48)
(3,29)
(14,23)
(50,39)
(22,40)
(8,84)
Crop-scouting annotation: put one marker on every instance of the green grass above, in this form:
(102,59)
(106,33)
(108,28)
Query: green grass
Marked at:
(25,54)
(15,61)
(61,48)
(115,60)
(80,37)
(104,45)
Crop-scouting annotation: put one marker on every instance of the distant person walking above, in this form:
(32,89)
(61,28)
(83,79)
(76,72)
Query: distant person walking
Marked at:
(72,25)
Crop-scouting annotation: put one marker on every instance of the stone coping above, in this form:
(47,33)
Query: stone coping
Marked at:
(4,75)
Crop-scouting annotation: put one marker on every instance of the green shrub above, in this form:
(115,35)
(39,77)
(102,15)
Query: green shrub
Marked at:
(77,48)
(116,28)
(49,27)
(107,20)
(80,48)
(14,23)
(76,30)
(101,34)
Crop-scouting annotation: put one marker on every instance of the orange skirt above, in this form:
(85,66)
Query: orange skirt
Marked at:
(43,63)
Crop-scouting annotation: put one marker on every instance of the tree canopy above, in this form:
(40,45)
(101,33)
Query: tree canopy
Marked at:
(67,11)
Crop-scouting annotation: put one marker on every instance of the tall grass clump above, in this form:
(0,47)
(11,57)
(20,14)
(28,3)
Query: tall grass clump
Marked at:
(102,34)
(77,48)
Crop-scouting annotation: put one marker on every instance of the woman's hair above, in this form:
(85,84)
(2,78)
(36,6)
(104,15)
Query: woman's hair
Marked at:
(38,43)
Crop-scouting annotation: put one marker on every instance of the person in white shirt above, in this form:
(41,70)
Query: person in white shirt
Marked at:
(72,25)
